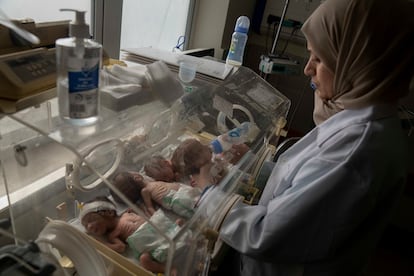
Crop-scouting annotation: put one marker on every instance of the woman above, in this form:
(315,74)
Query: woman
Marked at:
(329,196)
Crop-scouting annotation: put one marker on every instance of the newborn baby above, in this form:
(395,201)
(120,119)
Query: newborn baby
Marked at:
(189,157)
(160,169)
(173,196)
(100,219)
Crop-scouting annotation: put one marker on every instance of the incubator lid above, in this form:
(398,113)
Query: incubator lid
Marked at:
(125,140)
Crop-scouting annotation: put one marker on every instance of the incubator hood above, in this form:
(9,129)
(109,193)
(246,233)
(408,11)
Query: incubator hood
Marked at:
(48,168)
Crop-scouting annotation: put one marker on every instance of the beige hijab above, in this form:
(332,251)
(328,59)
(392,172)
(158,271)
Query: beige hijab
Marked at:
(368,45)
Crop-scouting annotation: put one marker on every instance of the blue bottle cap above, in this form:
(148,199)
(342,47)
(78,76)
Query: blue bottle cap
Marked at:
(216,146)
(242,24)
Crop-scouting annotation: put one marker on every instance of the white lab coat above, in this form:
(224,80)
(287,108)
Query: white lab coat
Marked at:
(327,199)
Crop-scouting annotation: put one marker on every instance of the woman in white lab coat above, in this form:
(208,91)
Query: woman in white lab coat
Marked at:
(330,195)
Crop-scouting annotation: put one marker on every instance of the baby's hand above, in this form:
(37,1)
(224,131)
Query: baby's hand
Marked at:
(218,171)
(117,245)
(180,222)
(150,264)
(150,210)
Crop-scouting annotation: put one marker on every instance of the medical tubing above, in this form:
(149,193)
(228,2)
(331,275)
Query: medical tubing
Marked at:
(77,248)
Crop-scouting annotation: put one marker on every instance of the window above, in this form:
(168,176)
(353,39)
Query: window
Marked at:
(143,23)
(156,23)
(44,10)
(116,24)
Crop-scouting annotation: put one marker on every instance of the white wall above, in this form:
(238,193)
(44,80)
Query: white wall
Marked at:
(208,25)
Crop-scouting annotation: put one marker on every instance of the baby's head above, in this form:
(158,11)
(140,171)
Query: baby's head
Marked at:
(129,184)
(98,216)
(160,169)
(190,156)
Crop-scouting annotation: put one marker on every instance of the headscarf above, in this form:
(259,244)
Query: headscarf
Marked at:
(95,206)
(368,45)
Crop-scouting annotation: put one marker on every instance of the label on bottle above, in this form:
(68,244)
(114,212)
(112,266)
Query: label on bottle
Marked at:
(236,51)
(83,87)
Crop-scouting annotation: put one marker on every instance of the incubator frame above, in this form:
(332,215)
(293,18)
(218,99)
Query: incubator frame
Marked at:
(117,128)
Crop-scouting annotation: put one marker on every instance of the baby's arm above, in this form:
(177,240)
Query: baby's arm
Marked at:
(148,263)
(146,196)
(205,178)
(114,242)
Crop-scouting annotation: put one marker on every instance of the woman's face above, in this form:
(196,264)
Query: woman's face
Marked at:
(321,76)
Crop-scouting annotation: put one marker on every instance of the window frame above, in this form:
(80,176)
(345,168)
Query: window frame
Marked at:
(107,20)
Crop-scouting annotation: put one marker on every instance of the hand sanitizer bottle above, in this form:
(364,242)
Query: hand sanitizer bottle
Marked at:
(78,60)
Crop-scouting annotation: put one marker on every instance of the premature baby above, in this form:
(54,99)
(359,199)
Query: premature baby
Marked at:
(100,220)
(173,196)
(186,160)
(189,157)
(160,169)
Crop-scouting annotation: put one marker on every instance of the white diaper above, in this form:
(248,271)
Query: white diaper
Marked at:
(183,201)
(147,239)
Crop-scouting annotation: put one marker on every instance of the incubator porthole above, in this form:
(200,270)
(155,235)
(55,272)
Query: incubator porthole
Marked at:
(104,158)
(240,115)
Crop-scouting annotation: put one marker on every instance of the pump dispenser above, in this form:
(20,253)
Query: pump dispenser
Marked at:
(78,60)
(238,41)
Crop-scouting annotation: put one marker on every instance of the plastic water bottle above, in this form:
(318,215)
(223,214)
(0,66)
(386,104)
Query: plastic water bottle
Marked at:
(235,136)
(238,41)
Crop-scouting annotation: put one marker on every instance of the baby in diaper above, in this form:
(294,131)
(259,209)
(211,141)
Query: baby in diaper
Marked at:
(100,220)
(177,197)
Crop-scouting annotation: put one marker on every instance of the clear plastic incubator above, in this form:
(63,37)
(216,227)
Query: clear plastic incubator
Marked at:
(49,169)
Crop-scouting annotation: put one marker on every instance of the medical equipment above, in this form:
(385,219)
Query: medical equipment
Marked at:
(26,73)
(278,63)
(28,36)
(186,73)
(88,156)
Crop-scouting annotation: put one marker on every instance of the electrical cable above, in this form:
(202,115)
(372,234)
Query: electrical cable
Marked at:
(267,37)
(297,106)
(409,113)
(180,43)
(287,41)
